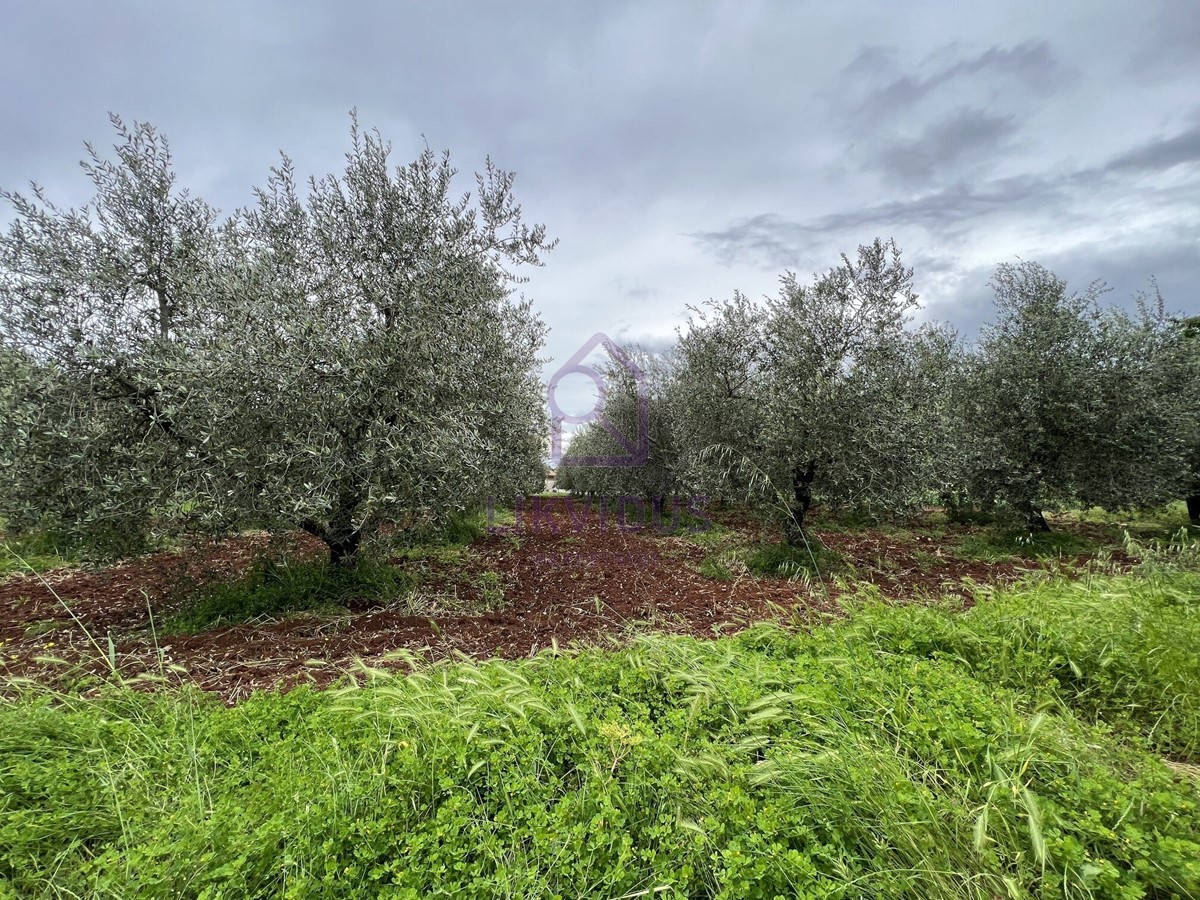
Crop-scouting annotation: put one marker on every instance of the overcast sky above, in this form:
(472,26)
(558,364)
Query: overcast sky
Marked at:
(678,150)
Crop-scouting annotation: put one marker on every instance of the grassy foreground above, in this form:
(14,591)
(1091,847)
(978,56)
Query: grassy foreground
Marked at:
(1010,751)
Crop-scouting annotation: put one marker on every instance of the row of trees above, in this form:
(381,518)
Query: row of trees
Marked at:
(353,354)
(827,393)
(328,359)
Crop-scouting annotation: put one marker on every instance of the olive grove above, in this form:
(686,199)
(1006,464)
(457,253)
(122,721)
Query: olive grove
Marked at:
(827,393)
(823,391)
(350,351)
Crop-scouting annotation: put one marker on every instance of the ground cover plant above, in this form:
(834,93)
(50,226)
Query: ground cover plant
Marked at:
(276,588)
(36,552)
(907,753)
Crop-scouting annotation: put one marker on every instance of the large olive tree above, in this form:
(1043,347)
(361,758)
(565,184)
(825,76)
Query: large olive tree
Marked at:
(1187,334)
(1070,403)
(328,359)
(717,396)
(818,394)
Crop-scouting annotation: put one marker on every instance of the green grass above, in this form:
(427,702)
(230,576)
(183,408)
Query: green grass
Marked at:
(908,753)
(732,553)
(442,554)
(1144,523)
(458,529)
(1122,651)
(787,561)
(717,566)
(993,545)
(35,552)
(714,537)
(274,589)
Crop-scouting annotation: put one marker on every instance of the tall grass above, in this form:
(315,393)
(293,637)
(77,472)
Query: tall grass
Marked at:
(904,754)
(1125,651)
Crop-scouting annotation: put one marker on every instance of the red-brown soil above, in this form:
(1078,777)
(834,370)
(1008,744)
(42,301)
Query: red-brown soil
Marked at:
(568,579)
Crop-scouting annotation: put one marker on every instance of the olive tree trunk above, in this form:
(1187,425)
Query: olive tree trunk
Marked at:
(341,535)
(802,480)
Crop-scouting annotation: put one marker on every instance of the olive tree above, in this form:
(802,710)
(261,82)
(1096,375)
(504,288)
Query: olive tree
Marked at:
(816,394)
(632,433)
(1071,403)
(717,395)
(1150,396)
(1186,332)
(104,303)
(328,359)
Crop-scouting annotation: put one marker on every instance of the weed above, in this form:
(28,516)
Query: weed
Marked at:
(994,546)
(275,589)
(716,566)
(491,590)
(908,753)
(789,561)
(36,551)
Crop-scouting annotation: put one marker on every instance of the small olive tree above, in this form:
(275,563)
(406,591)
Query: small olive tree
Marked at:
(327,360)
(641,462)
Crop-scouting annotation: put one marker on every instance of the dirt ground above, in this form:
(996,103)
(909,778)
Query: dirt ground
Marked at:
(568,578)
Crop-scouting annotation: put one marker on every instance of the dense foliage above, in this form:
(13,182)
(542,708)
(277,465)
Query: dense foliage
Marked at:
(1069,403)
(351,355)
(909,753)
(828,394)
(327,360)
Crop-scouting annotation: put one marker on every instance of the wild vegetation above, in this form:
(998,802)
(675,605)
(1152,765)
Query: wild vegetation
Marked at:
(1004,752)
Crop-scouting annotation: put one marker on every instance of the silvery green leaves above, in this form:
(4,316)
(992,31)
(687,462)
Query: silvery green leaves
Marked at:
(638,407)
(826,393)
(331,358)
(817,393)
(1072,403)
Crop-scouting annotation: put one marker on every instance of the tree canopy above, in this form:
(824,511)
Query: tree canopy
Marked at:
(352,351)
(329,358)
(829,393)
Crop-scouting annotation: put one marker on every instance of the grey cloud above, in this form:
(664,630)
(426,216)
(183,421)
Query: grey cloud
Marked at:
(1160,154)
(773,241)
(768,240)
(1126,270)
(952,116)
(1032,63)
(962,140)
(1173,262)
(1171,41)
(776,134)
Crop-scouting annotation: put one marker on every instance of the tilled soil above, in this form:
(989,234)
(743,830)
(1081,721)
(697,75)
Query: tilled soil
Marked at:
(569,578)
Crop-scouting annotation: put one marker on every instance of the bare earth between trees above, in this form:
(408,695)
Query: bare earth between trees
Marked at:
(560,580)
